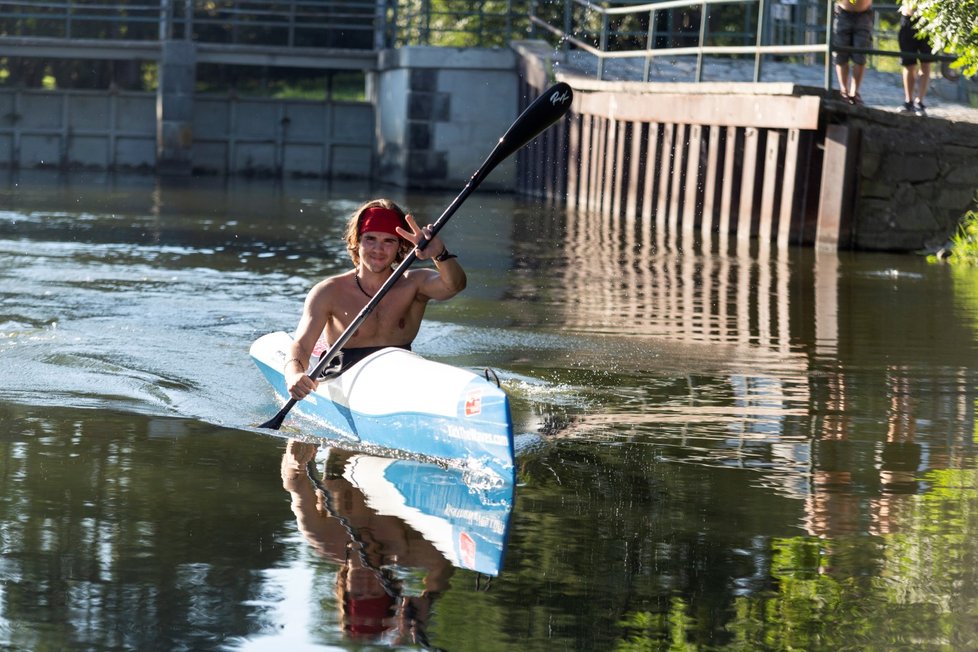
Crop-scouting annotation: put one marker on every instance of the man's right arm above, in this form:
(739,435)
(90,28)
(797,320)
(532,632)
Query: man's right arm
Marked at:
(310,327)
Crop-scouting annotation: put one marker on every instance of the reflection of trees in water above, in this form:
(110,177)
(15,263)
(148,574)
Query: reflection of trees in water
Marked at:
(119,529)
(682,574)
(882,482)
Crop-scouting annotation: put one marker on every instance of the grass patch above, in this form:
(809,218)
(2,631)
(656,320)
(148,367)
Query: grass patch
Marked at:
(964,242)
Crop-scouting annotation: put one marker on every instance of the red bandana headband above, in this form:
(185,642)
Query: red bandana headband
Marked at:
(378,218)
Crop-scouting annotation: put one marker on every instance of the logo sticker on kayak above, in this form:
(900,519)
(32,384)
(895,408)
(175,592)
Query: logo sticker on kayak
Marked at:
(473,403)
(466,547)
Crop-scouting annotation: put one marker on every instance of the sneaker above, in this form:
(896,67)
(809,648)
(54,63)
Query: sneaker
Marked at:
(907,107)
(919,108)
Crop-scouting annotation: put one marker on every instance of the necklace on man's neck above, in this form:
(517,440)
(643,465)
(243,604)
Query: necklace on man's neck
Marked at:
(357,279)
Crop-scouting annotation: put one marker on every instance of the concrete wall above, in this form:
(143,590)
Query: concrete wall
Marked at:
(294,137)
(101,130)
(440,111)
(77,129)
(434,115)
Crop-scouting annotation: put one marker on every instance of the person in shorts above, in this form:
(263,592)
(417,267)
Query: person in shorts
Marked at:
(852,26)
(915,49)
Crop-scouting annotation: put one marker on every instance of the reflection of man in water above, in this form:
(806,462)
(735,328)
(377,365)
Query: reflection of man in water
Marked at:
(840,503)
(900,455)
(832,508)
(333,516)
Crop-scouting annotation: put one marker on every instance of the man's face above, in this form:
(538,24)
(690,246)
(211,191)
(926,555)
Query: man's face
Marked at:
(378,249)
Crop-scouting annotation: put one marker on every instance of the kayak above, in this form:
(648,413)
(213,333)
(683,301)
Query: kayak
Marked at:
(468,525)
(397,400)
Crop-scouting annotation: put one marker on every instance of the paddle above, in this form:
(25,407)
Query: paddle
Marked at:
(542,112)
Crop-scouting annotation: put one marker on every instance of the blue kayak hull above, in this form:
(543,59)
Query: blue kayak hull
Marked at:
(400,401)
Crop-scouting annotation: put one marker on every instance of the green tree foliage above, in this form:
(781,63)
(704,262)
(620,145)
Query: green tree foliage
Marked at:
(460,23)
(952,25)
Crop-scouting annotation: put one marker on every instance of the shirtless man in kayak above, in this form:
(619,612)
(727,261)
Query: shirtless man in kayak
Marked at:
(379,235)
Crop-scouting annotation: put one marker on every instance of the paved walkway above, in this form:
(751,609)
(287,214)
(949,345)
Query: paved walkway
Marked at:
(880,90)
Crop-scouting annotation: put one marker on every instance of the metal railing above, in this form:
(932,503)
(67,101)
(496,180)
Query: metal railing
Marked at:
(797,31)
(347,24)
(350,24)
(755,44)
(701,29)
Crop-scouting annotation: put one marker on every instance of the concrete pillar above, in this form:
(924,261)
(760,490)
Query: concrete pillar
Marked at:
(440,111)
(175,108)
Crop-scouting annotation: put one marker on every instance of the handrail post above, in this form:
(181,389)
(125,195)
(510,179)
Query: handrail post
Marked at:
(649,42)
(761,6)
(166,22)
(380,26)
(828,46)
(188,20)
(568,9)
(704,16)
(602,44)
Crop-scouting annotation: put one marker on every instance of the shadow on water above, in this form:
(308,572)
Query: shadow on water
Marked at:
(726,449)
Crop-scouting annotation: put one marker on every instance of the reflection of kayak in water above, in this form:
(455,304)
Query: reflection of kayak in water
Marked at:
(397,529)
(398,400)
(466,524)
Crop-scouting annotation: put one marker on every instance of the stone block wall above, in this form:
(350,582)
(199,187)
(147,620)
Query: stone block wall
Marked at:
(917,178)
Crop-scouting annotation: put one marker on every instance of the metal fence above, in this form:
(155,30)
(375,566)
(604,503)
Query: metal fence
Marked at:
(611,29)
(351,24)
(757,30)
(702,31)
(347,24)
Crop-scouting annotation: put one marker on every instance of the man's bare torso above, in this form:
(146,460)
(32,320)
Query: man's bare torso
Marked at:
(394,321)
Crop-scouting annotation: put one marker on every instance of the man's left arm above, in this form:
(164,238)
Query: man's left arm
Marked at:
(449,281)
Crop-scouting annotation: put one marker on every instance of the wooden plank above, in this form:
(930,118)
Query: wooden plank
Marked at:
(710,184)
(648,191)
(634,167)
(726,193)
(618,168)
(765,225)
(789,180)
(597,155)
(835,199)
(585,169)
(539,167)
(770,111)
(573,159)
(610,168)
(562,160)
(692,180)
(748,180)
(665,165)
(675,192)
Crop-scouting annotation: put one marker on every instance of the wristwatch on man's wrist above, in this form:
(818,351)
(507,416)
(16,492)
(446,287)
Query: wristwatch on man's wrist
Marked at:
(444,255)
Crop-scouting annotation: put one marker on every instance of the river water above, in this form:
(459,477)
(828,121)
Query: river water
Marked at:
(736,450)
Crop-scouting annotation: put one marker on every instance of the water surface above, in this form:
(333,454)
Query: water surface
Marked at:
(717,449)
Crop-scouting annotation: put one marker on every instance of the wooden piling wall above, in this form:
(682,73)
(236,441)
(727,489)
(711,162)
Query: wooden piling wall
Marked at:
(696,165)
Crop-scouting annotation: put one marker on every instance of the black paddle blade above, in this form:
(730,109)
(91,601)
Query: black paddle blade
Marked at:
(276,422)
(552,104)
